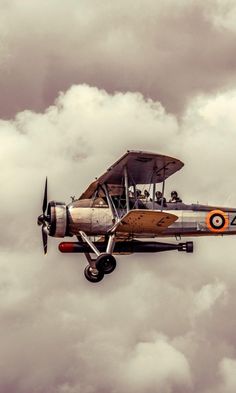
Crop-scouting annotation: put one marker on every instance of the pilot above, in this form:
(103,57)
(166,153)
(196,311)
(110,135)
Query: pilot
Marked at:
(138,193)
(175,197)
(160,199)
(146,195)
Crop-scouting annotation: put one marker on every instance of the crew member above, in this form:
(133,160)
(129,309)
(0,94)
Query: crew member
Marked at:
(138,193)
(160,199)
(175,197)
(146,195)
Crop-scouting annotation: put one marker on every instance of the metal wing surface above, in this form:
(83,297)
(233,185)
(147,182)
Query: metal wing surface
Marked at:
(144,221)
(142,167)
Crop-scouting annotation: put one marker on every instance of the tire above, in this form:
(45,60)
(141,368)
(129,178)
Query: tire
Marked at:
(106,263)
(93,277)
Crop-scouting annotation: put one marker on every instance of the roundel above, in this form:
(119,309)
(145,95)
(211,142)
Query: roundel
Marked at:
(217,221)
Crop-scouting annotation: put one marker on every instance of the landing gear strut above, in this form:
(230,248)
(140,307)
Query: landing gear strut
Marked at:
(104,263)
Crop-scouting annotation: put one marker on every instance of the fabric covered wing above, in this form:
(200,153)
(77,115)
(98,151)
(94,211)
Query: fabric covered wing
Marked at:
(144,221)
(142,168)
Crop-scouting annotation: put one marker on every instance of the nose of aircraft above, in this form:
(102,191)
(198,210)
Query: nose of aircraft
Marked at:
(43,219)
(53,219)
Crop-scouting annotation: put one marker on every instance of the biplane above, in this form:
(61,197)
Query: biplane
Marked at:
(111,217)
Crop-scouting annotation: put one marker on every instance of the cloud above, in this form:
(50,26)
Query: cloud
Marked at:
(59,333)
(168,51)
(157,365)
(228,368)
(208,295)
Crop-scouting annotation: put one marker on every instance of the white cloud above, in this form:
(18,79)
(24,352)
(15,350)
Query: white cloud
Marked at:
(74,336)
(206,297)
(156,365)
(228,372)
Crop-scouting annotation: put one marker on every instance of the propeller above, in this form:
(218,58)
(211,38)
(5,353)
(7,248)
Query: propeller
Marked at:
(43,218)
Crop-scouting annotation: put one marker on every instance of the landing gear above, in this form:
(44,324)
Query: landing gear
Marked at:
(93,275)
(106,263)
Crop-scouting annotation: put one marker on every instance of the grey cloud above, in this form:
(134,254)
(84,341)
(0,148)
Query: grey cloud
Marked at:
(227,369)
(167,51)
(157,365)
(60,334)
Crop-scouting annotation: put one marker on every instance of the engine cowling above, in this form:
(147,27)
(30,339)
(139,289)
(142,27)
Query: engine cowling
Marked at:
(58,219)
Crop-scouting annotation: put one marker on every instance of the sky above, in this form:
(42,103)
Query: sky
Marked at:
(81,83)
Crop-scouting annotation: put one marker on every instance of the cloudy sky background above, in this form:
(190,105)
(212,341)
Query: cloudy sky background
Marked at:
(81,82)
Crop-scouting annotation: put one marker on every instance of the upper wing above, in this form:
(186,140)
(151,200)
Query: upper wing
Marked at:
(144,221)
(142,168)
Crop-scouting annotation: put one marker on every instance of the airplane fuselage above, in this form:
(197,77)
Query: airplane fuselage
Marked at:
(193,220)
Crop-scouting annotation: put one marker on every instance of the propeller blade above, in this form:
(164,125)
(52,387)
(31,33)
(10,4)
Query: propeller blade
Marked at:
(45,238)
(45,198)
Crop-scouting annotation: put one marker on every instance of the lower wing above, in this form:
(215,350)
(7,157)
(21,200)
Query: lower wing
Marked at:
(143,221)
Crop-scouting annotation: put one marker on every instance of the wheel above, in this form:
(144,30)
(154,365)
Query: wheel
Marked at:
(189,246)
(106,263)
(91,276)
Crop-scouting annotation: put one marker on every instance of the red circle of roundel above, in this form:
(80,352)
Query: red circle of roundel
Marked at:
(217,221)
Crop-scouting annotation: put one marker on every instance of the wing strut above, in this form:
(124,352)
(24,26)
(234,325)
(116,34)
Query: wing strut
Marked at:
(153,195)
(110,202)
(163,190)
(126,188)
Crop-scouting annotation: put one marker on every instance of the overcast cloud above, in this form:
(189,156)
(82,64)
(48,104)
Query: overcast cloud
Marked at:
(168,50)
(158,323)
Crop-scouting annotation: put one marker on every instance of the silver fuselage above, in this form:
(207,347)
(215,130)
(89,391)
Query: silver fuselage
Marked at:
(193,220)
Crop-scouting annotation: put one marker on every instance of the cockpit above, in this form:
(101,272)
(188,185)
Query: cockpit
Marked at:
(137,199)
(132,182)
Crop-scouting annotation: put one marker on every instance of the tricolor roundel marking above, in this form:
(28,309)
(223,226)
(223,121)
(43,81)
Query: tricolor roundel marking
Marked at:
(217,221)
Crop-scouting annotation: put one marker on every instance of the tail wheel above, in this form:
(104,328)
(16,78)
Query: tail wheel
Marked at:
(106,263)
(93,275)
